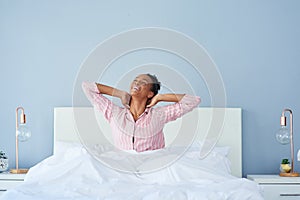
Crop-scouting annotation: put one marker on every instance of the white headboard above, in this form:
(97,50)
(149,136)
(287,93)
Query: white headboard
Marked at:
(65,128)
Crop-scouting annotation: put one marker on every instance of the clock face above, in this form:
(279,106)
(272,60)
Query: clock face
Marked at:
(3,164)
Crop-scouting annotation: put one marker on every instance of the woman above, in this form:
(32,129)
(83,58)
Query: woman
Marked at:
(138,125)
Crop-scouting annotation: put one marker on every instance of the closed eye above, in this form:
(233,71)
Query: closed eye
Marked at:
(140,82)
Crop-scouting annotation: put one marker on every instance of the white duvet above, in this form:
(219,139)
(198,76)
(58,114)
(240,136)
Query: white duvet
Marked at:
(71,173)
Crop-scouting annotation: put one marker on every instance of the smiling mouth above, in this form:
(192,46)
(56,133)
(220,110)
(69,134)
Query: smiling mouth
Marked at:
(136,88)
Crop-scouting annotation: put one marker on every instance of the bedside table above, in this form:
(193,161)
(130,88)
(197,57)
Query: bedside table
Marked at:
(277,187)
(8,181)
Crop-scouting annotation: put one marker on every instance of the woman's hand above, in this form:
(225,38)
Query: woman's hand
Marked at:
(154,100)
(125,98)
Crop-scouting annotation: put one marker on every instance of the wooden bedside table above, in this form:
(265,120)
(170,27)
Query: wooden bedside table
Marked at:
(277,187)
(8,181)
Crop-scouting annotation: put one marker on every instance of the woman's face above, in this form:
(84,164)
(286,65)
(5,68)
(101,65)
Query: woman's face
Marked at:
(141,86)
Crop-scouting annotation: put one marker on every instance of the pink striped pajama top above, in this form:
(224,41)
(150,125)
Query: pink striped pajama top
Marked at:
(146,133)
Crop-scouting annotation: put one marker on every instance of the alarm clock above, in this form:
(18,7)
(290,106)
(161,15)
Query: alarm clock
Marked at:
(3,162)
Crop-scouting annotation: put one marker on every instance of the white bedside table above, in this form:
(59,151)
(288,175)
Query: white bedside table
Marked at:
(8,181)
(276,187)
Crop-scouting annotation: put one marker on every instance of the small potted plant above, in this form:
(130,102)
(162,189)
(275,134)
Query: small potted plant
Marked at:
(3,162)
(285,166)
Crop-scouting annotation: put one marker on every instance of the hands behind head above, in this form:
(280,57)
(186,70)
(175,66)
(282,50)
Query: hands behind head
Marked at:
(154,101)
(125,98)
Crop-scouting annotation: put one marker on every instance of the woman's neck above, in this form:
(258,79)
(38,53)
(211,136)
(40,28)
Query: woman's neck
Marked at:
(137,107)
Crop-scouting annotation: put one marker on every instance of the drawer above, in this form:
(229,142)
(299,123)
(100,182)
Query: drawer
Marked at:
(7,184)
(281,191)
(1,192)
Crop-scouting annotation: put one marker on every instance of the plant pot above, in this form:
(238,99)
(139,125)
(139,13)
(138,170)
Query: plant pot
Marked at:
(285,168)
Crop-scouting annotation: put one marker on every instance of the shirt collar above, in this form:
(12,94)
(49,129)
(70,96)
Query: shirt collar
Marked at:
(146,111)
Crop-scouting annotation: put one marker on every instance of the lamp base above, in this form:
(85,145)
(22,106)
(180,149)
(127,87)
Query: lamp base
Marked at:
(291,174)
(18,171)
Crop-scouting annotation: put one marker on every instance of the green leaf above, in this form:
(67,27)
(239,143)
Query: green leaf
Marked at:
(285,161)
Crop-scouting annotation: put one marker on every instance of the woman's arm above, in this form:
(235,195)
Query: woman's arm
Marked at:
(94,92)
(98,100)
(108,90)
(185,104)
(165,97)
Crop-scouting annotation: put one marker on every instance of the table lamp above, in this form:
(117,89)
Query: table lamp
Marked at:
(285,136)
(22,134)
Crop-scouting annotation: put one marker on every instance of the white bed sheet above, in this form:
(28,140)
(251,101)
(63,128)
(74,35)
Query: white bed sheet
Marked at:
(72,173)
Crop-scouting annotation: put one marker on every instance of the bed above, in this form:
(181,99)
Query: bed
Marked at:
(76,171)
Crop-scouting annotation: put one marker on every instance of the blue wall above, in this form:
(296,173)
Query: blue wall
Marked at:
(255,45)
